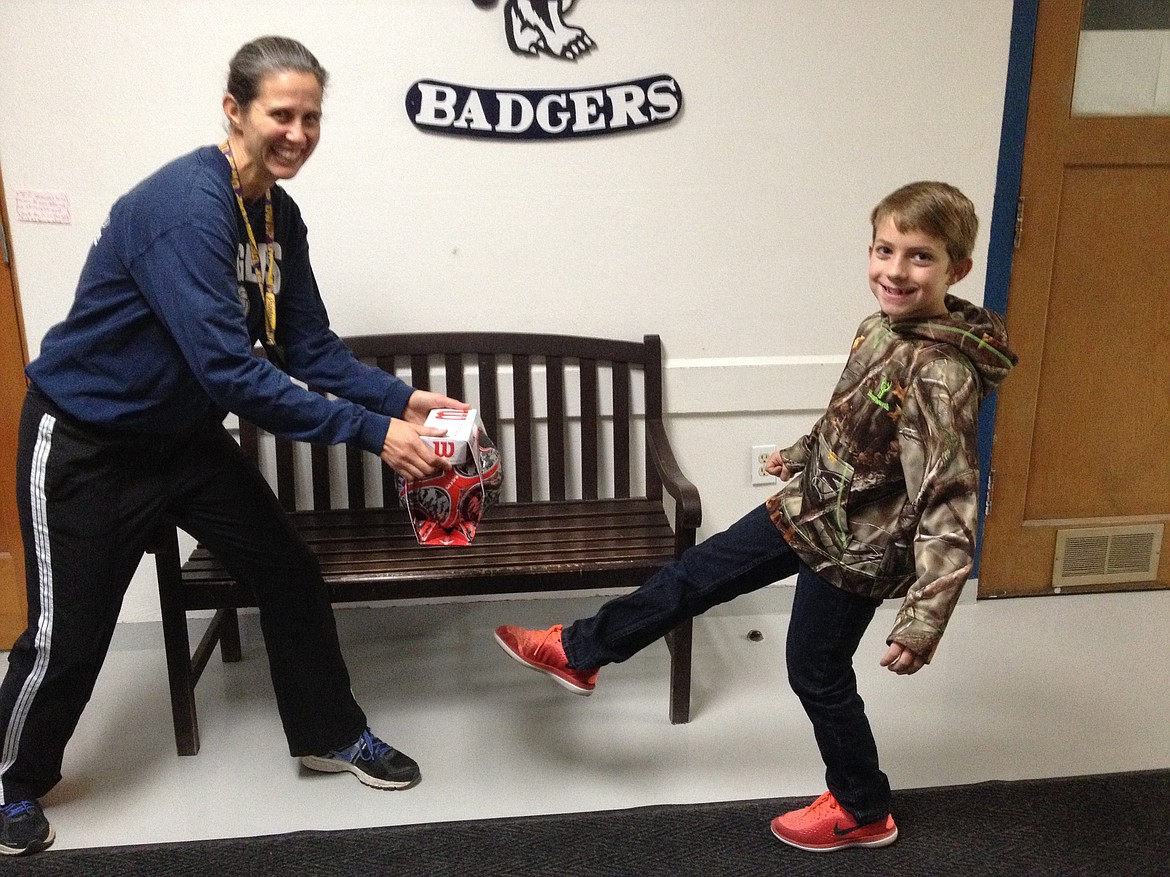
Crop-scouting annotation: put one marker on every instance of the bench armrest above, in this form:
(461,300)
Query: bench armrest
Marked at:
(688,507)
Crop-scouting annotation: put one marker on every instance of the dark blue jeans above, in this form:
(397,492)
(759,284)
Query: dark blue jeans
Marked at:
(824,630)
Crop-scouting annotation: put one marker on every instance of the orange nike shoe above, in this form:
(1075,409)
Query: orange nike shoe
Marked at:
(824,826)
(542,650)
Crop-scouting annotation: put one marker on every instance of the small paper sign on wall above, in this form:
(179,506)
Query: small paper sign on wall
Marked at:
(39,206)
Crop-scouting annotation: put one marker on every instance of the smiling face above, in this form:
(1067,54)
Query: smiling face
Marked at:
(910,272)
(274,135)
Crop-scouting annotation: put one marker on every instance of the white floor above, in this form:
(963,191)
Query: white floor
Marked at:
(1053,686)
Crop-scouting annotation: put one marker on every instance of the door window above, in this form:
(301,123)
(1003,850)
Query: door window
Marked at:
(1123,59)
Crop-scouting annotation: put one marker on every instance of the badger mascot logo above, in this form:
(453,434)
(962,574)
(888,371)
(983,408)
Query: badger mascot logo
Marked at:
(535,26)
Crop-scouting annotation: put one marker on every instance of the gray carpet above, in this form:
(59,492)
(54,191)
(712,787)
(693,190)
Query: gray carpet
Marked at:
(1113,824)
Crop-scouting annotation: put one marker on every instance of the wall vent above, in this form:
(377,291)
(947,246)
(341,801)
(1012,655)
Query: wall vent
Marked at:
(1107,555)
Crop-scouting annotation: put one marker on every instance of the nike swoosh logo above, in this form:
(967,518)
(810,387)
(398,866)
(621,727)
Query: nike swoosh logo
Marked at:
(844,832)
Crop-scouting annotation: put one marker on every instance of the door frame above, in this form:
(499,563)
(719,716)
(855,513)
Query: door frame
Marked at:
(14,603)
(1002,226)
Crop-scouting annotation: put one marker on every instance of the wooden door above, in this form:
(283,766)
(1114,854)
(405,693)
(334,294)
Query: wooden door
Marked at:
(13,357)
(1083,422)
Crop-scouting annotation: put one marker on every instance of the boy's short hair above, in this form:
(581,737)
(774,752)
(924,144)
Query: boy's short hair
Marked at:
(939,209)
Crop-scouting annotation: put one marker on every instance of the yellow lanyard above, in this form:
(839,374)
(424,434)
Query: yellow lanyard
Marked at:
(265,278)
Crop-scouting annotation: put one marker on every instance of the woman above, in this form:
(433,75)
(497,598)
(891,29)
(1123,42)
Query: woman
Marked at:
(122,431)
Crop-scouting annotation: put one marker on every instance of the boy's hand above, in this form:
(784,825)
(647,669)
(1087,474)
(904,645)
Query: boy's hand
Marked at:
(902,661)
(776,466)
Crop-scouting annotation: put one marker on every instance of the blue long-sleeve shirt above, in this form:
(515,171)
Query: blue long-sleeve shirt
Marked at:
(168,309)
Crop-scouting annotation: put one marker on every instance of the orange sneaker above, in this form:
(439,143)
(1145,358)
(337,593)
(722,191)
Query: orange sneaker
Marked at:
(824,826)
(542,650)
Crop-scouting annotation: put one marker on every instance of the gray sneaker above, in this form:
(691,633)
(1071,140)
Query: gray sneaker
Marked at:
(375,763)
(24,828)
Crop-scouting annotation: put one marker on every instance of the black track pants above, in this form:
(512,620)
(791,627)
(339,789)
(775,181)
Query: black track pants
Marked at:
(89,499)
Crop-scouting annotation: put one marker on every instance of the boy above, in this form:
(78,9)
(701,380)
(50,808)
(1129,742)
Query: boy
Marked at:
(880,501)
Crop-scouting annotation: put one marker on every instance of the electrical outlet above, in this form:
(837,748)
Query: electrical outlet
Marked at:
(759,456)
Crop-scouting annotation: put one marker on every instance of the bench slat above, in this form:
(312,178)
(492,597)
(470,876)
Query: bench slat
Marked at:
(453,370)
(622,422)
(541,510)
(523,459)
(555,396)
(590,425)
(489,396)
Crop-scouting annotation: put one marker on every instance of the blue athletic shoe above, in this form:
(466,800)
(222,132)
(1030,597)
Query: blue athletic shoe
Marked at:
(24,828)
(375,763)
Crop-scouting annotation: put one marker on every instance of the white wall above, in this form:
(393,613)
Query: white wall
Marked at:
(738,232)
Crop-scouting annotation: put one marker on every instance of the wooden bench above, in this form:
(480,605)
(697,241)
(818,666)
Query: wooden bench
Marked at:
(586,459)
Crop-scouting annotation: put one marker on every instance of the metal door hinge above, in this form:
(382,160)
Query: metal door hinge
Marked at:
(3,244)
(1019,222)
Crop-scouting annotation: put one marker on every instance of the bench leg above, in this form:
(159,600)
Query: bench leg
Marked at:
(229,636)
(679,643)
(177,645)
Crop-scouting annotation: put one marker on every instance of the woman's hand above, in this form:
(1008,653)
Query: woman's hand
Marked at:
(403,450)
(422,402)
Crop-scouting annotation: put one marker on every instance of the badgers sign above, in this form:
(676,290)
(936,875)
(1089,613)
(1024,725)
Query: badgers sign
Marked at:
(537,115)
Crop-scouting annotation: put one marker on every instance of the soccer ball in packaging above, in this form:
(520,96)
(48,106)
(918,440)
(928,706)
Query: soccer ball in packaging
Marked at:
(446,509)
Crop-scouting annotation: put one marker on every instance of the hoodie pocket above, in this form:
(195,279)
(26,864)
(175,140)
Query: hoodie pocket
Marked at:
(826,489)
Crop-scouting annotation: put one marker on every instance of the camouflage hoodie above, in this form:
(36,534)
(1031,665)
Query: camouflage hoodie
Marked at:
(883,500)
